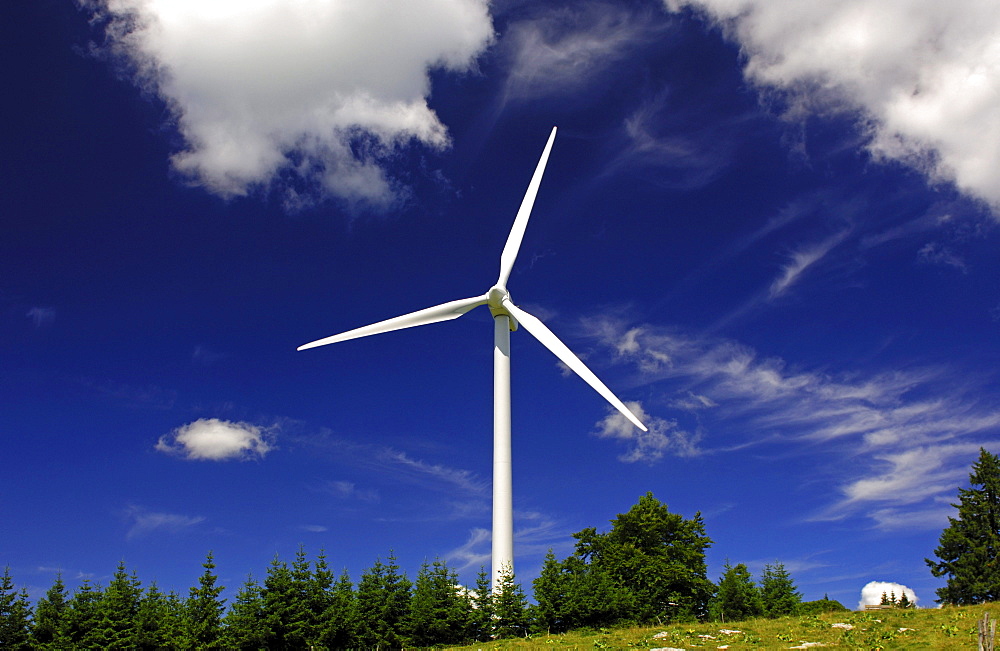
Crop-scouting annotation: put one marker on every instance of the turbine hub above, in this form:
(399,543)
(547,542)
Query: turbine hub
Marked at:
(494,300)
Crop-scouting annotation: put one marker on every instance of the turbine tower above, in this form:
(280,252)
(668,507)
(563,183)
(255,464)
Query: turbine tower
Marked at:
(506,317)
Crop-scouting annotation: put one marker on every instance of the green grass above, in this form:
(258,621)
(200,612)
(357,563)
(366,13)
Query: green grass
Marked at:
(944,628)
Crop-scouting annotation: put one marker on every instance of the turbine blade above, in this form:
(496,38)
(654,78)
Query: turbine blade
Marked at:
(443,312)
(521,221)
(559,349)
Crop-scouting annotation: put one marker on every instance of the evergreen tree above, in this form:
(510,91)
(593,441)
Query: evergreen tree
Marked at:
(279,597)
(245,625)
(970,543)
(593,598)
(118,609)
(339,620)
(203,609)
(159,621)
(383,604)
(439,613)
(302,619)
(904,602)
(84,616)
(885,600)
(481,620)
(15,615)
(777,591)
(658,557)
(510,607)
(737,597)
(549,613)
(51,618)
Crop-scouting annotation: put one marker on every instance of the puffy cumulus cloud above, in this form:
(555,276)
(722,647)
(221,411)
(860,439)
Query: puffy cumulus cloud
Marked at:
(663,437)
(871,594)
(924,75)
(211,439)
(321,91)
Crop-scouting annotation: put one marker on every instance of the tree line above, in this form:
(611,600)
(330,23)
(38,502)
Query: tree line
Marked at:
(649,567)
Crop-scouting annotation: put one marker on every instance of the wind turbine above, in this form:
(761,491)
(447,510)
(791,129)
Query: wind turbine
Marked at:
(506,317)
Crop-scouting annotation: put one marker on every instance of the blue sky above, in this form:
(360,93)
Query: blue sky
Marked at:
(773,233)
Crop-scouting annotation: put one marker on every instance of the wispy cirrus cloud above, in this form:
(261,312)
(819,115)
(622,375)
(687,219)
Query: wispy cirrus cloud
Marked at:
(144,522)
(912,434)
(801,260)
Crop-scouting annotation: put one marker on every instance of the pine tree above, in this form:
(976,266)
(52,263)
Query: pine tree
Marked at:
(245,625)
(969,545)
(51,618)
(777,591)
(510,612)
(203,609)
(904,602)
(737,598)
(15,616)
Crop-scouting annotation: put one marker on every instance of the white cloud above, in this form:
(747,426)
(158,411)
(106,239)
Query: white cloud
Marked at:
(211,439)
(146,522)
(663,436)
(559,50)
(871,594)
(801,260)
(910,435)
(321,90)
(42,316)
(347,490)
(934,253)
(922,76)
(450,478)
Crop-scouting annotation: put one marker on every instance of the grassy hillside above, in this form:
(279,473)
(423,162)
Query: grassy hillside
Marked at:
(945,628)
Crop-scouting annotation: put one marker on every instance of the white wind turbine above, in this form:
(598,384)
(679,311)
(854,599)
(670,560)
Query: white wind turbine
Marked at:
(506,316)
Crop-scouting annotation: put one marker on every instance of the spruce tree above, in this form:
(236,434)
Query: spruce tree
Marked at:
(969,545)
(383,604)
(279,597)
(339,620)
(159,621)
(439,614)
(51,618)
(15,616)
(549,612)
(203,609)
(777,591)
(510,607)
(84,616)
(245,625)
(481,621)
(737,598)
(118,610)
